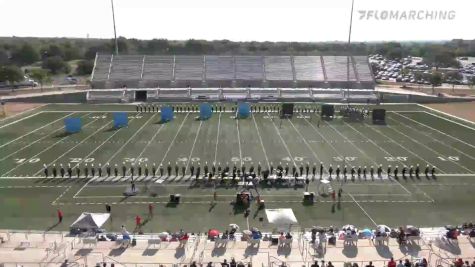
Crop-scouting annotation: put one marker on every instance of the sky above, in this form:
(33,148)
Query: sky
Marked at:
(241,20)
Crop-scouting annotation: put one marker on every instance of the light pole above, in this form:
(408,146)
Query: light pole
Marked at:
(115,34)
(349,52)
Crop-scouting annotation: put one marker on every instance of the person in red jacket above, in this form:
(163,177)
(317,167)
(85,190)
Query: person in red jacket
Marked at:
(138,221)
(60,216)
(392,263)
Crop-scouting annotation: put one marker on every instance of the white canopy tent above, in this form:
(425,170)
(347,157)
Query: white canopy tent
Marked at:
(90,221)
(282,218)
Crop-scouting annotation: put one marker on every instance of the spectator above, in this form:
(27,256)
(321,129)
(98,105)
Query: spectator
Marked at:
(407,263)
(458,262)
(467,264)
(193,264)
(354,264)
(315,264)
(210,264)
(233,263)
(423,262)
(473,264)
(240,264)
(400,264)
(330,264)
(392,263)
(225,264)
(370,264)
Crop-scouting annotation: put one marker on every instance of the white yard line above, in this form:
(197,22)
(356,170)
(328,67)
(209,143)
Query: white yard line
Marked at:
(193,146)
(46,149)
(260,139)
(436,140)
(283,142)
(357,148)
(364,211)
(424,193)
(95,149)
(34,142)
(84,186)
(408,150)
(217,140)
(382,149)
(128,141)
(239,139)
(22,119)
(323,137)
(61,195)
(37,129)
(173,140)
(115,154)
(305,141)
(427,126)
(74,147)
(149,141)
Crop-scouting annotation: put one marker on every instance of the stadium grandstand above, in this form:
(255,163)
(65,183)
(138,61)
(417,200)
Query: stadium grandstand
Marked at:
(221,77)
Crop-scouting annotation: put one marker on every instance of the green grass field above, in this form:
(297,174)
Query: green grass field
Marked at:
(413,135)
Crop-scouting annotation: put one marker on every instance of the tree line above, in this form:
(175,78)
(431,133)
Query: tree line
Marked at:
(52,55)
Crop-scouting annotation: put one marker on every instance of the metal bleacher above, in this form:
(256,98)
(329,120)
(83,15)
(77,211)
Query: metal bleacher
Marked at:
(157,71)
(126,70)
(189,71)
(219,71)
(233,77)
(249,71)
(309,71)
(279,71)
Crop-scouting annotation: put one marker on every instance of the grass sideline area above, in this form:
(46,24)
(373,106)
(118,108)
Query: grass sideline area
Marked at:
(413,135)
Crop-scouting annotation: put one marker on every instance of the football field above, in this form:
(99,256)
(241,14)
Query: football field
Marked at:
(413,134)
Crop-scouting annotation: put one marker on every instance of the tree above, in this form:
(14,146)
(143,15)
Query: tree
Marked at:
(435,79)
(25,55)
(71,51)
(40,75)
(11,74)
(471,81)
(3,56)
(56,65)
(54,51)
(156,46)
(453,77)
(84,67)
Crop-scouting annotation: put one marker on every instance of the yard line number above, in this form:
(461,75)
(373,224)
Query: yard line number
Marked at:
(340,159)
(396,158)
(25,160)
(449,158)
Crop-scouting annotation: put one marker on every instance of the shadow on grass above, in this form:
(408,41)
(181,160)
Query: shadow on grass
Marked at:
(52,227)
(238,209)
(62,135)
